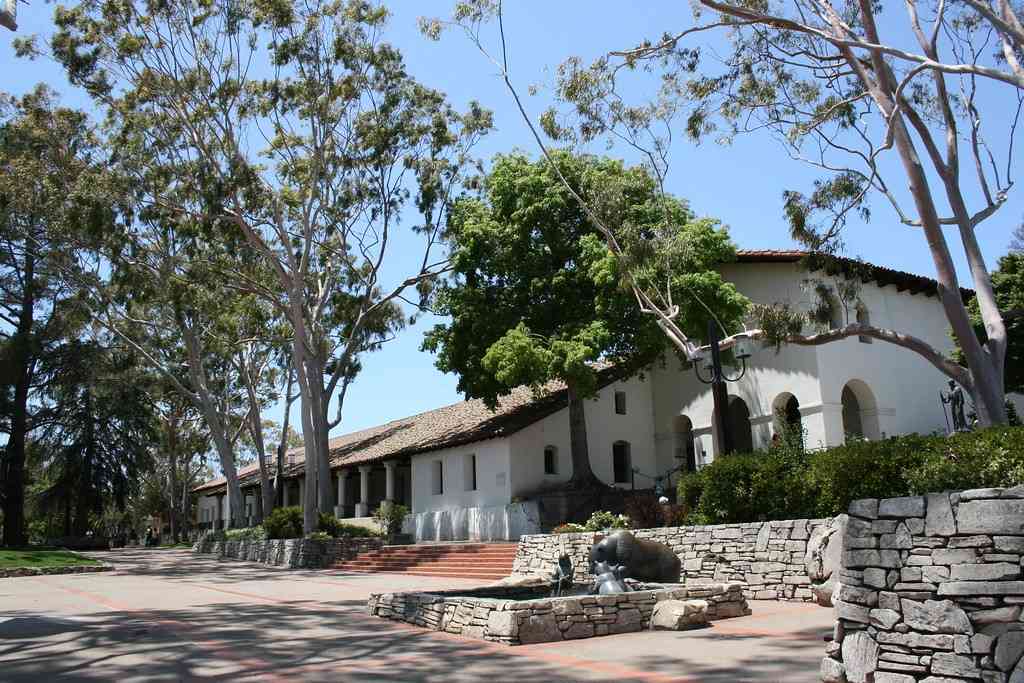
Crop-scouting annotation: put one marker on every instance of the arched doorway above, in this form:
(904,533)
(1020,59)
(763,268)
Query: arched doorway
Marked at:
(788,421)
(860,411)
(685,453)
(738,424)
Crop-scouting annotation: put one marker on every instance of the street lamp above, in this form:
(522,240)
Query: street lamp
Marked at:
(713,364)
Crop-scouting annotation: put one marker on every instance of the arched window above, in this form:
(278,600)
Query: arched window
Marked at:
(620,402)
(788,421)
(622,466)
(863,318)
(550,460)
(738,424)
(686,452)
(860,411)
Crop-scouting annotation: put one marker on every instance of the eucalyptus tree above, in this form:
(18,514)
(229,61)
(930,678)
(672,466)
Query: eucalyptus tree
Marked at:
(297,127)
(871,109)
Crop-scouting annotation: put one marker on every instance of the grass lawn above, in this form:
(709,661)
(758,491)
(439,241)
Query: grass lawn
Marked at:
(41,558)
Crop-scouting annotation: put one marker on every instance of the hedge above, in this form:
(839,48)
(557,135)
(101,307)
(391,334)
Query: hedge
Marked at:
(287,523)
(786,482)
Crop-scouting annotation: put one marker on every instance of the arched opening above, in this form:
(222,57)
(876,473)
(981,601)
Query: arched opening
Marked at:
(686,452)
(788,421)
(863,318)
(738,424)
(860,411)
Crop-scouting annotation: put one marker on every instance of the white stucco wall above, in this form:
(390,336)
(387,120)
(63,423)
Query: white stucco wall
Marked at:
(604,427)
(492,477)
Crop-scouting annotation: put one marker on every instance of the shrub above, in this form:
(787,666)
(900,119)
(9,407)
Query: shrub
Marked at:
(786,483)
(569,528)
(390,518)
(644,511)
(602,519)
(284,523)
(252,533)
(319,536)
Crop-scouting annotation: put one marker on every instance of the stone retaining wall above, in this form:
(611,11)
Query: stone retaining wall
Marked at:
(49,571)
(295,553)
(499,614)
(770,557)
(930,590)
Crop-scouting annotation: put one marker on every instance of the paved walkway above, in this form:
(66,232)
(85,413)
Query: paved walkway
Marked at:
(166,615)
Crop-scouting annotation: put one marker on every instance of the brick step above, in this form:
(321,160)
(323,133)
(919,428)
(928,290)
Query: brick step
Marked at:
(504,569)
(484,561)
(489,577)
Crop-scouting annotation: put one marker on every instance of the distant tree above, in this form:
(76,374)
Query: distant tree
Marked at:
(1017,241)
(536,294)
(1008,285)
(100,434)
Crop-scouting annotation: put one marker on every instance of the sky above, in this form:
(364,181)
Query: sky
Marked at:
(741,184)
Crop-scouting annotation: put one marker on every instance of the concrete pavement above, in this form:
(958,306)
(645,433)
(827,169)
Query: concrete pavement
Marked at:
(168,615)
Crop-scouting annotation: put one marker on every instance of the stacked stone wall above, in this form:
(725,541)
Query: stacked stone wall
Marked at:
(500,614)
(294,553)
(770,557)
(930,589)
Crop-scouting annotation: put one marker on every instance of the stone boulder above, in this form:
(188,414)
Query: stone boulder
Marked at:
(824,558)
(524,580)
(679,615)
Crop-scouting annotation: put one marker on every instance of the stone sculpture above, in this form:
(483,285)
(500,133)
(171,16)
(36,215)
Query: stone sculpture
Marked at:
(562,576)
(608,579)
(639,559)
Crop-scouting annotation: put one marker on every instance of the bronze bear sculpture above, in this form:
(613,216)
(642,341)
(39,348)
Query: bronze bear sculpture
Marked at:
(641,559)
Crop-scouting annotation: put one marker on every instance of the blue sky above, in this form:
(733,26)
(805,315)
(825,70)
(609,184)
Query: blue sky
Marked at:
(741,184)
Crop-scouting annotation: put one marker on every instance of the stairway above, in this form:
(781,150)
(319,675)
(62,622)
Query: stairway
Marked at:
(484,561)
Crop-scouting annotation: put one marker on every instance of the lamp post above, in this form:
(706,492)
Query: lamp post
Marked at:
(717,381)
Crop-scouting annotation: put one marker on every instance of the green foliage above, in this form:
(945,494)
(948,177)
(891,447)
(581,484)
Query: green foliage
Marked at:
(602,519)
(1008,286)
(319,536)
(569,528)
(525,254)
(336,528)
(787,483)
(252,533)
(390,518)
(284,523)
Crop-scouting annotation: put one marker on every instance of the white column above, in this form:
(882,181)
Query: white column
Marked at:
(302,492)
(339,509)
(389,481)
(363,506)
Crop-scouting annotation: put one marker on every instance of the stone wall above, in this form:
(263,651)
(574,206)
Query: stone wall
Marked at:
(930,590)
(295,553)
(500,614)
(12,572)
(770,557)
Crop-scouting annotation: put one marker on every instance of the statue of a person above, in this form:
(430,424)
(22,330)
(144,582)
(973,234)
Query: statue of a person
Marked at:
(955,400)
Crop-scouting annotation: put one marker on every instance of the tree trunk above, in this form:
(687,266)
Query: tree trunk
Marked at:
(582,474)
(14,453)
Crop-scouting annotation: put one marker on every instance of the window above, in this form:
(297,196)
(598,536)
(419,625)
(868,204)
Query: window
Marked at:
(550,460)
(437,483)
(470,472)
(621,466)
(620,402)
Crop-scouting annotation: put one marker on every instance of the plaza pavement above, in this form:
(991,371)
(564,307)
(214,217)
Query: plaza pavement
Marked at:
(169,615)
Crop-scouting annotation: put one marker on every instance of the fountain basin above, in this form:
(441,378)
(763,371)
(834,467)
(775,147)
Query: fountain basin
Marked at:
(518,615)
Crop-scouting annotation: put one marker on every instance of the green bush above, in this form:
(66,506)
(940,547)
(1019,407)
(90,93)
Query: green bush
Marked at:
(602,519)
(252,533)
(569,528)
(284,523)
(389,518)
(335,528)
(787,483)
(319,536)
